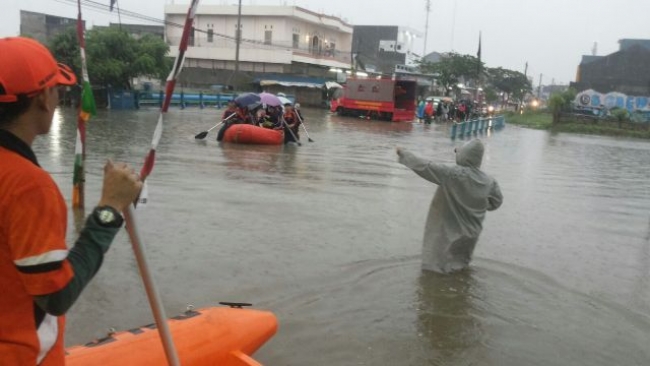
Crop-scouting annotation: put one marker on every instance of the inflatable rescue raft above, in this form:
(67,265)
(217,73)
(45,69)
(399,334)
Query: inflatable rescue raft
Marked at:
(211,336)
(249,134)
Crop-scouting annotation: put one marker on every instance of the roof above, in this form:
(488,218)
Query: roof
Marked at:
(586,59)
(293,80)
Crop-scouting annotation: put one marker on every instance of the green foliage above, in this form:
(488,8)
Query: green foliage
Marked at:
(451,69)
(556,103)
(569,96)
(491,94)
(621,114)
(114,57)
(514,83)
(65,49)
(543,121)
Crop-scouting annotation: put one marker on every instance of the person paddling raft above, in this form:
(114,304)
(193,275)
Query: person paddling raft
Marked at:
(40,277)
(458,207)
(292,123)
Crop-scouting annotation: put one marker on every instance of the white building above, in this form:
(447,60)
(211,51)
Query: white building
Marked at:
(275,39)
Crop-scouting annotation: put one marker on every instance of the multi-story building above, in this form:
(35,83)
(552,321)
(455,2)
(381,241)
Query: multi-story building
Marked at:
(280,45)
(380,48)
(626,71)
(139,30)
(44,27)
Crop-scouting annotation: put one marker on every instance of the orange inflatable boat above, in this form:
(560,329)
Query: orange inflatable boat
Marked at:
(211,336)
(249,134)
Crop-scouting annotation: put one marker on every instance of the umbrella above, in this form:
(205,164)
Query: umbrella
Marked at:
(284,100)
(248,100)
(447,99)
(270,99)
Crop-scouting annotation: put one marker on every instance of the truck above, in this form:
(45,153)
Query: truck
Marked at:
(383,99)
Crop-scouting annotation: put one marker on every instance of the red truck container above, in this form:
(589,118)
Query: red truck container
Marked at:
(384,99)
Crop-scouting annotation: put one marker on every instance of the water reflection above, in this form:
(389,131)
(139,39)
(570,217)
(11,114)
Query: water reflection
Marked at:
(252,158)
(447,316)
(55,134)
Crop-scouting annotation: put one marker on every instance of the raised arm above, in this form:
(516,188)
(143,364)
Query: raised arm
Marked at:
(435,173)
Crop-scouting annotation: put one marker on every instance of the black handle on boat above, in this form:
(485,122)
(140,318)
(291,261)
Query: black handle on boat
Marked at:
(238,305)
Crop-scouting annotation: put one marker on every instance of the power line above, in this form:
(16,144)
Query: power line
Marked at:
(105,9)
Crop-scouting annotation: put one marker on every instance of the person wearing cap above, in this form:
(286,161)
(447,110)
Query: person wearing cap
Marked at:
(40,277)
(458,207)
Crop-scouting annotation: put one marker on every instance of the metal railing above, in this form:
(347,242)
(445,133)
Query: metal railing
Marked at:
(476,126)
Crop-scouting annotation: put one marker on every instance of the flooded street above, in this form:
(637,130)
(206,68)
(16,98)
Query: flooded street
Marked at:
(328,237)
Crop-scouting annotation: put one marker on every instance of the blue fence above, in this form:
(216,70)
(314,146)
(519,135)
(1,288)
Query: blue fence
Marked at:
(191,99)
(475,126)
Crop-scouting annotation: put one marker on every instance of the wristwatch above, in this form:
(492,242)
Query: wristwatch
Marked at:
(107,216)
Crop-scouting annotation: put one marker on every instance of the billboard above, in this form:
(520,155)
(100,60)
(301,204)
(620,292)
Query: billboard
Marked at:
(593,99)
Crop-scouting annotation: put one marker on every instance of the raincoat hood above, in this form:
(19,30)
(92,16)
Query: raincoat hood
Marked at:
(470,154)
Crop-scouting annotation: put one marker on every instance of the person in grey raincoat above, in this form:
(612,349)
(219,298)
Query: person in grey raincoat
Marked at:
(458,208)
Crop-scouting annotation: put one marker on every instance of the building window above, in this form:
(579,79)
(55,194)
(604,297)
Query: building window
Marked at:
(191,40)
(296,40)
(210,35)
(268,37)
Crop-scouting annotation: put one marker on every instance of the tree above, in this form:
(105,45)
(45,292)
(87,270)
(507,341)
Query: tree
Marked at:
(65,49)
(556,103)
(491,94)
(451,68)
(114,56)
(513,83)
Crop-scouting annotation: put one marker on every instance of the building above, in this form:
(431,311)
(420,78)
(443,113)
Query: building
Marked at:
(139,30)
(283,47)
(44,27)
(380,48)
(626,71)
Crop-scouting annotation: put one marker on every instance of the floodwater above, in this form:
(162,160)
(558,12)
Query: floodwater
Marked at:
(328,237)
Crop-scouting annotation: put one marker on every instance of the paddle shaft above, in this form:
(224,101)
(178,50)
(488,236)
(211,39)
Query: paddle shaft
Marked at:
(290,131)
(202,135)
(150,287)
(303,125)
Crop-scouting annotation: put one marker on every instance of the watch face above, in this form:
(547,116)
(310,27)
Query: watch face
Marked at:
(106,216)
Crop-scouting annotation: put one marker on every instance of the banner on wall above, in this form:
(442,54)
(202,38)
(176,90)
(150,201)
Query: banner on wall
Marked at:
(593,99)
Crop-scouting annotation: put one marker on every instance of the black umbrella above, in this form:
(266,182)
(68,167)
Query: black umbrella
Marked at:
(249,101)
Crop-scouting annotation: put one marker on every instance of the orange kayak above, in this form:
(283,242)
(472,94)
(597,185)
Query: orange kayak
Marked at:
(210,336)
(249,134)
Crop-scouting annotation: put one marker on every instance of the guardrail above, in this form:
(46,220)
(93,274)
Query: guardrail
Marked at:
(475,126)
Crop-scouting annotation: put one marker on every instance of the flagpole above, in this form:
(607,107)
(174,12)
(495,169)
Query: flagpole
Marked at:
(479,66)
(86,109)
(129,214)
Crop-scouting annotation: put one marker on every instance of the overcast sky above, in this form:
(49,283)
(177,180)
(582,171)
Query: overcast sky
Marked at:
(551,35)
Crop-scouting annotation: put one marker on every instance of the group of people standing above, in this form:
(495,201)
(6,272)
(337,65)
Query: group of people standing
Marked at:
(285,118)
(429,111)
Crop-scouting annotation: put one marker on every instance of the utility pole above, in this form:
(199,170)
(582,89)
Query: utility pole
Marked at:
(539,87)
(426,28)
(523,96)
(238,37)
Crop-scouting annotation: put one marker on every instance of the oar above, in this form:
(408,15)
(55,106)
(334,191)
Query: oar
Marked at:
(303,126)
(290,131)
(202,135)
